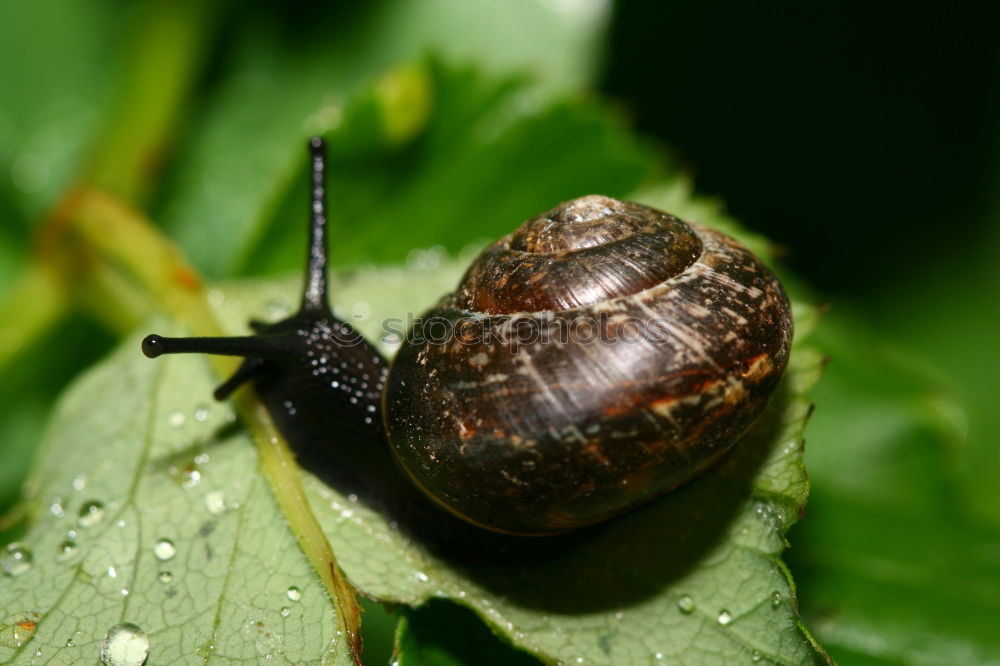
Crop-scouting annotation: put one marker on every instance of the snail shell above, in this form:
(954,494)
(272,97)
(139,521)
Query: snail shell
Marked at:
(601,355)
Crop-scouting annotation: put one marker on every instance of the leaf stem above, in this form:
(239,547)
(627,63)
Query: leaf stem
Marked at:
(31,306)
(125,241)
(168,43)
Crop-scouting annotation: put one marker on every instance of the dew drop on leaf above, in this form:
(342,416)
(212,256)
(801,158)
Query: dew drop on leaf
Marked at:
(190,476)
(215,502)
(202,413)
(285,611)
(686,604)
(176,419)
(125,645)
(294,593)
(725,617)
(776,599)
(164,550)
(756,656)
(16,559)
(91,513)
(165,577)
(67,549)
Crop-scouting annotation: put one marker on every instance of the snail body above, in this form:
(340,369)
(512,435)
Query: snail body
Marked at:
(599,356)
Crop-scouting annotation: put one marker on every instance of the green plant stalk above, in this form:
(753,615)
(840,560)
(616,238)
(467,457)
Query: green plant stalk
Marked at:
(123,238)
(34,303)
(168,43)
(169,40)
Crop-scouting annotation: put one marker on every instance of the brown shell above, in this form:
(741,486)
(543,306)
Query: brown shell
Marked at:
(598,357)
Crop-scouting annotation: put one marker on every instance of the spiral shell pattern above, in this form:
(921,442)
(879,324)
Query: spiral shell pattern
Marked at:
(598,357)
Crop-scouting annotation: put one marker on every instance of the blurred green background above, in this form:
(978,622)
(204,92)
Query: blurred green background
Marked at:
(863,140)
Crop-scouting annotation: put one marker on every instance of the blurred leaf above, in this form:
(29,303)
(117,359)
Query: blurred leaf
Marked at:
(948,318)
(244,152)
(493,153)
(59,61)
(890,567)
(134,524)
(166,42)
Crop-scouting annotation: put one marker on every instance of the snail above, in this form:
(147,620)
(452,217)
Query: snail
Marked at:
(599,356)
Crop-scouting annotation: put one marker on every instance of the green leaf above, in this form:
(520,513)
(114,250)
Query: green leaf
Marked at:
(892,566)
(245,150)
(696,575)
(60,60)
(149,509)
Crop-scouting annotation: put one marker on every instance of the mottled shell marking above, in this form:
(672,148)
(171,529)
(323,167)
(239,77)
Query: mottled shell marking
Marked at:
(548,437)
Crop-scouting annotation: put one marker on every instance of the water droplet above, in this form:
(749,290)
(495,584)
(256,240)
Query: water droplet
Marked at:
(164,550)
(658,656)
(67,549)
(165,577)
(285,611)
(16,559)
(725,617)
(125,645)
(201,459)
(176,419)
(70,643)
(190,477)
(112,572)
(686,604)
(756,656)
(56,508)
(776,599)
(91,513)
(294,593)
(79,482)
(202,413)
(215,502)
(124,591)
(421,576)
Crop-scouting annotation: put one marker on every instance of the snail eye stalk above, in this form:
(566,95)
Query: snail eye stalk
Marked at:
(275,343)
